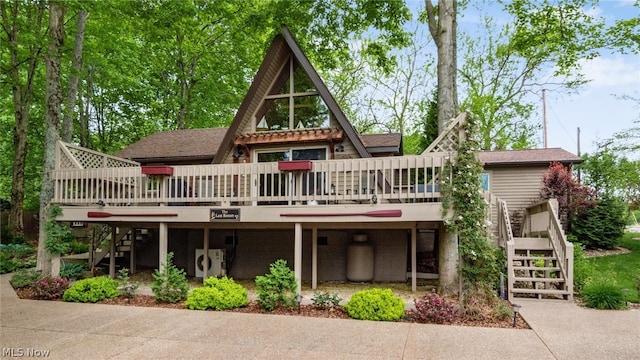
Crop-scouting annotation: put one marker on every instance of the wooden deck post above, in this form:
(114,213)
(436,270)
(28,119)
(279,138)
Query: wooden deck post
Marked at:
(297,267)
(414,266)
(163,248)
(132,251)
(314,258)
(205,257)
(112,253)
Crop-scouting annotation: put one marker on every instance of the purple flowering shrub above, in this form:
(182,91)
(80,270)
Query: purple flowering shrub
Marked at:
(435,309)
(49,288)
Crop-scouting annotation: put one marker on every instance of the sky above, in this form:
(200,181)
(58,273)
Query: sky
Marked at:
(596,110)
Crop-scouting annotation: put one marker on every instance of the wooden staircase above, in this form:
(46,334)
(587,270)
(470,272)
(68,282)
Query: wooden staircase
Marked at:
(539,264)
(124,241)
(536,271)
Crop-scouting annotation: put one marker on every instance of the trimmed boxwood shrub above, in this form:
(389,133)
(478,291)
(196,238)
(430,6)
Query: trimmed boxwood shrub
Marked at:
(92,290)
(375,304)
(217,294)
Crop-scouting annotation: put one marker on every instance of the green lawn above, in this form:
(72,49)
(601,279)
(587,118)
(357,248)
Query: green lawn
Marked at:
(621,269)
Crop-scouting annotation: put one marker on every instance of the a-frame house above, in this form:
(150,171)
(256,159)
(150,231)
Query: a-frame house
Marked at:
(289,179)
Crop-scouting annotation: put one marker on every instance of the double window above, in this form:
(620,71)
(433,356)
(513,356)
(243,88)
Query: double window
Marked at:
(292,103)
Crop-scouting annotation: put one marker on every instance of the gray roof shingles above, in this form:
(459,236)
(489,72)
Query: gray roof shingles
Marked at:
(176,144)
(530,156)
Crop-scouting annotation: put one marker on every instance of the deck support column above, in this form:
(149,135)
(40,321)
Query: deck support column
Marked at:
(132,251)
(163,248)
(314,257)
(112,253)
(297,263)
(205,257)
(414,266)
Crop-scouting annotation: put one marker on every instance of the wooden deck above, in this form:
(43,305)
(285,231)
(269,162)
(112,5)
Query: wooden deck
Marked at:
(335,186)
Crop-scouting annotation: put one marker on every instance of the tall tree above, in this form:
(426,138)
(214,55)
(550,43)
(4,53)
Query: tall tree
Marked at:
(72,91)
(22,30)
(443,25)
(53,105)
(443,28)
(497,80)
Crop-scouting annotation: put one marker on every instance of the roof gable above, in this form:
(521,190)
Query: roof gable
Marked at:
(283,46)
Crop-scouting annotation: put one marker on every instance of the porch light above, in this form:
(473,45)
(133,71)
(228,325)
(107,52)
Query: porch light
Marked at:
(374,199)
(516,311)
(100,202)
(299,298)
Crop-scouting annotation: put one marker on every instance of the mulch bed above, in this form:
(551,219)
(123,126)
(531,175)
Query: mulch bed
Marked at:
(305,310)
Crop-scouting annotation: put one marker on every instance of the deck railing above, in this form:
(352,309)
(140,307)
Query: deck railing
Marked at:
(389,179)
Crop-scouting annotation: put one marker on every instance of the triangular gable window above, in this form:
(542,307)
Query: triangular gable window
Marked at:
(292,103)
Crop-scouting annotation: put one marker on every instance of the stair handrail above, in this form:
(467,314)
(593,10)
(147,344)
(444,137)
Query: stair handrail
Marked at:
(105,248)
(505,239)
(505,234)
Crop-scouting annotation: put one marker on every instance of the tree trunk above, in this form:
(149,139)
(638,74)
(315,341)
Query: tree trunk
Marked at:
(442,26)
(22,92)
(53,100)
(72,93)
(443,29)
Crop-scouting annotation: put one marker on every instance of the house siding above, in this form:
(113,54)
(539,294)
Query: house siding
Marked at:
(518,186)
(257,249)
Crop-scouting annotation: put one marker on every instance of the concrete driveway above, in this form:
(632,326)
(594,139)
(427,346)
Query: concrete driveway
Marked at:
(94,331)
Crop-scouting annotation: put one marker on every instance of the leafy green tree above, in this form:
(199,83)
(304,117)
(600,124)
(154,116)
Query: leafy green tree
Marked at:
(23,24)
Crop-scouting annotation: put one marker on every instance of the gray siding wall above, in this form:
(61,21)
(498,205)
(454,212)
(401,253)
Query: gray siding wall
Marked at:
(519,187)
(257,249)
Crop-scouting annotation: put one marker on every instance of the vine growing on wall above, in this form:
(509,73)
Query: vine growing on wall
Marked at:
(58,235)
(464,210)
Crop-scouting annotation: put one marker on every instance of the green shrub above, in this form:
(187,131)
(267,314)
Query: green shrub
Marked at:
(170,283)
(325,300)
(375,304)
(78,247)
(434,309)
(481,302)
(603,294)
(602,226)
(125,287)
(49,288)
(217,294)
(278,287)
(92,290)
(8,265)
(17,250)
(15,256)
(582,269)
(72,271)
(24,278)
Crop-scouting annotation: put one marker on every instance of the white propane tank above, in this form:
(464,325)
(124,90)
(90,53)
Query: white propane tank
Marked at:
(360,257)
